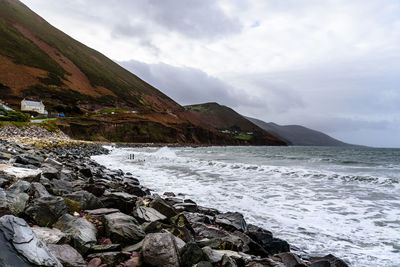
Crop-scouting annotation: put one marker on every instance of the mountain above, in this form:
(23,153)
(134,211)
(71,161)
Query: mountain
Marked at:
(298,135)
(39,61)
(228,121)
(100,99)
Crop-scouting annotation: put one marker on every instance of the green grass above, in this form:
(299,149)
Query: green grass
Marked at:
(196,108)
(115,110)
(243,136)
(13,116)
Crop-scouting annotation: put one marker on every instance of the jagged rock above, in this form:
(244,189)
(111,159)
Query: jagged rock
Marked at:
(136,247)
(190,207)
(99,213)
(87,200)
(4,181)
(219,244)
(123,201)
(149,214)
(37,190)
(67,255)
(215,256)
(12,202)
(20,187)
(45,211)
(206,231)
(83,233)
(19,245)
(51,236)
(328,261)
(246,244)
(87,172)
(191,254)
(110,258)
(267,241)
(50,173)
(95,189)
(290,259)
(198,217)
(136,190)
(264,263)
(231,221)
(163,207)
(24,174)
(228,262)
(123,229)
(53,163)
(160,249)
(61,186)
(29,160)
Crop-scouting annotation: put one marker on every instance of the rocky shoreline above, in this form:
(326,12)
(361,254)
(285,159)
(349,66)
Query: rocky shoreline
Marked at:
(60,208)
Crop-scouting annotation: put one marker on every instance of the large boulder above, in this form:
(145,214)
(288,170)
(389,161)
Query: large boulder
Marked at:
(87,200)
(45,211)
(67,255)
(147,214)
(123,201)
(231,221)
(267,241)
(12,202)
(19,246)
(160,249)
(51,236)
(191,254)
(123,229)
(163,207)
(82,232)
(328,261)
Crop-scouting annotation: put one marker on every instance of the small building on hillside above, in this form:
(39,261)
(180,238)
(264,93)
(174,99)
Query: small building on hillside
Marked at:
(27,105)
(4,106)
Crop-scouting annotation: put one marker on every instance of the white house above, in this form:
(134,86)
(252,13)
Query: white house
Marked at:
(27,105)
(4,106)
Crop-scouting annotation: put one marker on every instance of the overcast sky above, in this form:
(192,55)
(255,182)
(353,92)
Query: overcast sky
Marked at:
(331,65)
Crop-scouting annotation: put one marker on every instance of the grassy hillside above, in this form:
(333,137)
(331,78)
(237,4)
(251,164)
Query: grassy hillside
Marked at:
(49,60)
(299,135)
(226,120)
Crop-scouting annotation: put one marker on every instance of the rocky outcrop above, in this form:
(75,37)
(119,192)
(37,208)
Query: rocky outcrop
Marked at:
(160,249)
(19,245)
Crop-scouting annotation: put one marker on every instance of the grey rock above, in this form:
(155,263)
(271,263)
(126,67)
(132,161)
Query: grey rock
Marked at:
(163,207)
(67,255)
(136,247)
(37,190)
(160,249)
(228,262)
(231,221)
(50,173)
(51,235)
(215,256)
(290,259)
(82,232)
(190,207)
(45,211)
(191,254)
(19,245)
(20,187)
(61,186)
(123,229)
(123,201)
(328,260)
(12,202)
(206,231)
(104,248)
(149,214)
(87,200)
(203,264)
(54,163)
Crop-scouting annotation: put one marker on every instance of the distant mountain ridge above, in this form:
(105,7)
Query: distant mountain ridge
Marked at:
(226,120)
(298,135)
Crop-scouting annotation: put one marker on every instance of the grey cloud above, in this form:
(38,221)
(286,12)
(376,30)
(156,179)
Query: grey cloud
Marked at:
(188,85)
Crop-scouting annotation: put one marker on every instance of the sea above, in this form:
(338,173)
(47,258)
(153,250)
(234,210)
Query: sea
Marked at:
(339,200)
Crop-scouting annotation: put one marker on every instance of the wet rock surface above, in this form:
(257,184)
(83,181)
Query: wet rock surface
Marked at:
(78,213)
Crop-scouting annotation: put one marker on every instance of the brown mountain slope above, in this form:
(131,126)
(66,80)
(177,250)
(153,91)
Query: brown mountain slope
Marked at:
(228,121)
(37,59)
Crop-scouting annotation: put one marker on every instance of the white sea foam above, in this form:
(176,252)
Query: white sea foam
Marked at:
(349,210)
